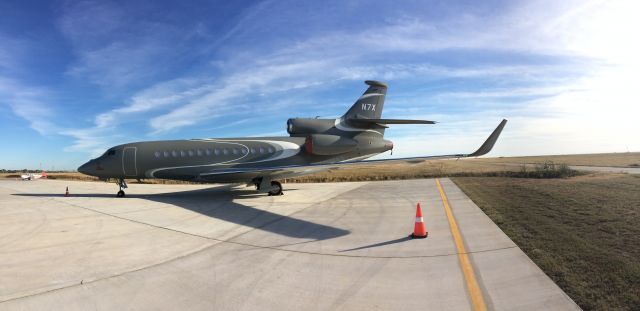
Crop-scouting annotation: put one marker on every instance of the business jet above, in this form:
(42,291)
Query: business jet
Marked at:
(313,145)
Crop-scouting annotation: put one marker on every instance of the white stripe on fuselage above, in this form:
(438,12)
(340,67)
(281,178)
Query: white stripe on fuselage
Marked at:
(289,149)
(339,124)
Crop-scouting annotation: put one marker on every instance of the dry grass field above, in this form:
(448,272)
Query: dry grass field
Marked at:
(462,167)
(467,167)
(65,176)
(584,232)
(358,173)
(623,159)
(406,171)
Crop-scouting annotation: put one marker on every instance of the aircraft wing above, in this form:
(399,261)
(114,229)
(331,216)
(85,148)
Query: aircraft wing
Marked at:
(297,170)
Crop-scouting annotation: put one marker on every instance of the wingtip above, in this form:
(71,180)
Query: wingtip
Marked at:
(491,140)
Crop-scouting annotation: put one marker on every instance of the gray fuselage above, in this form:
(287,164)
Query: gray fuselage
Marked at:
(357,135)
(213,160)
(313,145)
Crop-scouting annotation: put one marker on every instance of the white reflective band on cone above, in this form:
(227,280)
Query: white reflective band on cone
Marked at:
(419,219)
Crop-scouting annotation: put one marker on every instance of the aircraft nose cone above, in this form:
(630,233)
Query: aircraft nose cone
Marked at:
(84,168)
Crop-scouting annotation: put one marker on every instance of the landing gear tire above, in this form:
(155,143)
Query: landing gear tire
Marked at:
(276,188)
(122,184)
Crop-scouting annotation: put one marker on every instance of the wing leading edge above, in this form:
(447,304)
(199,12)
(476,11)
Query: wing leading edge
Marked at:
(312,168)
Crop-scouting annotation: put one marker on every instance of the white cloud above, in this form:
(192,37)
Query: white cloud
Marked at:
(12,52)
(165,94)
(223,96)
(567,109)
(118,65)
(117,49)
(346,51)
(593,114)
(91,141)
(28,103)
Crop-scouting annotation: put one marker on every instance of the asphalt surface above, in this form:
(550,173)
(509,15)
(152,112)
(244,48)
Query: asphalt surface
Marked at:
(320,246)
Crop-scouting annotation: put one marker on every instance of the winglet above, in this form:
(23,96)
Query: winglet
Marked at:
(488,144)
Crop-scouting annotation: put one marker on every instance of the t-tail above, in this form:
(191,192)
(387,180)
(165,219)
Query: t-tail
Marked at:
(370,104)
(366,113)
(364,116)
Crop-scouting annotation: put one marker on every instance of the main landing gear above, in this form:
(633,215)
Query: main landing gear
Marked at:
(122,185)
(270,187)
(276,188)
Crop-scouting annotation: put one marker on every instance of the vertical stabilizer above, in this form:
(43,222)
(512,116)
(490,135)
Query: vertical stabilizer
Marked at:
(370,104)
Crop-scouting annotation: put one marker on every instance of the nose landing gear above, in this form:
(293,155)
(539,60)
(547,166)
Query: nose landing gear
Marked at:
(122,185)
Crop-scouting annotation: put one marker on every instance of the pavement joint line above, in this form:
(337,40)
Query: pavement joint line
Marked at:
(473,289)
(221,242)
(277,248)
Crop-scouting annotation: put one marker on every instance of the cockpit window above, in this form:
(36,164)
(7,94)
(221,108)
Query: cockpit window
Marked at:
(111,152)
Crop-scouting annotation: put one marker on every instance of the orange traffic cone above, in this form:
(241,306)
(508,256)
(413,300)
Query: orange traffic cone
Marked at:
(66,193)
(419,230)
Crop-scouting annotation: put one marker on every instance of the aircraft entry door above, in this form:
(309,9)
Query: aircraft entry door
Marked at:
(129,161)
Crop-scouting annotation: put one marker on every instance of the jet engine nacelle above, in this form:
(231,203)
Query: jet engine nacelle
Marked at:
(303,127)
(322,144)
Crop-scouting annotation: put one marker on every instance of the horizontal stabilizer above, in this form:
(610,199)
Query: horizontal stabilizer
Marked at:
(387,121)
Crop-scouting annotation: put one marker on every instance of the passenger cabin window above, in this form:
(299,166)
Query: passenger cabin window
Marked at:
(199,152)
(253,150)
(271,150)
(217,151)
(174,153)
(235,151)
(157,154)
(190,153)
(261,150)
(208,152)
(166,154)
(244,151)
(225,151)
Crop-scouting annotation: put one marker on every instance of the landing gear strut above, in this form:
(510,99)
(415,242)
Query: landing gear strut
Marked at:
(122,185)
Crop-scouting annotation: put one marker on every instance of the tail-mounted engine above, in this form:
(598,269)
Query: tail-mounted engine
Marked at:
(304,127)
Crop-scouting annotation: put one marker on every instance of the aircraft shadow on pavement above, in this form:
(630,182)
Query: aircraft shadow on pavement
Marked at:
(222,203)
(400,240)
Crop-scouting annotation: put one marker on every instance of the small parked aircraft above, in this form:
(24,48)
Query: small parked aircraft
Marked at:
(31,176)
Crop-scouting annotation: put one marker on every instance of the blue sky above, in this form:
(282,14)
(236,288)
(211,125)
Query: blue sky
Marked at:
(79,76)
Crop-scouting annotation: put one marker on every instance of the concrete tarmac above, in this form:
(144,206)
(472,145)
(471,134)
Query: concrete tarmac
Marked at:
(320,247)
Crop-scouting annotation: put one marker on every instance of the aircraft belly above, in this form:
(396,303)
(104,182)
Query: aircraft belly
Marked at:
(231,174)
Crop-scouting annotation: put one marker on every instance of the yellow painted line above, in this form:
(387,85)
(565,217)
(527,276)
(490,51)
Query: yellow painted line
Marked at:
(469,276)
